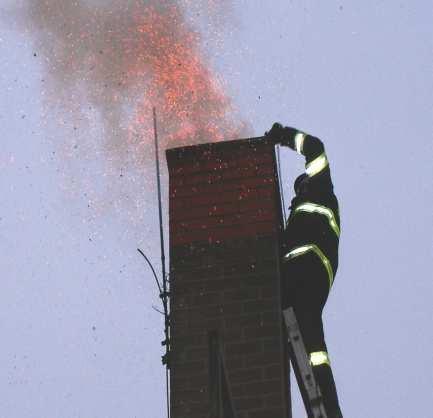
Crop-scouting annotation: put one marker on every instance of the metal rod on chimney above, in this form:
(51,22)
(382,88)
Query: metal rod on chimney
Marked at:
(164,294)
(158,178)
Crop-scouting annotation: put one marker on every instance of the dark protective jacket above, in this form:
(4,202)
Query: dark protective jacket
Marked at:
(314,221)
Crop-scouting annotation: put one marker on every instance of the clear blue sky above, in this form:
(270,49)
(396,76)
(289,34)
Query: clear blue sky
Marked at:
(78,334)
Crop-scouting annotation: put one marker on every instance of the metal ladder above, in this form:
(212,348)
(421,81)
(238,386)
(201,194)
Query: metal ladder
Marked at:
(304,373)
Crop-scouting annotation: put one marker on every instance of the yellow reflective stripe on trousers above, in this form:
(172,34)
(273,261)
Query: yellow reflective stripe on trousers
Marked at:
(318,358)
(322,210)
(299,142)
(296,252)
(317,165)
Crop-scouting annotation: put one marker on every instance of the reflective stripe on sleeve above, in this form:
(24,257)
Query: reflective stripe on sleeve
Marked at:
(322,210)
(303,249)
(317,165)
(299,142)
(318,358)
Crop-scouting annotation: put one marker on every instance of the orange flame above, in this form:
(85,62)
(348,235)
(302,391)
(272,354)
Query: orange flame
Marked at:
(189,98)
(124,55)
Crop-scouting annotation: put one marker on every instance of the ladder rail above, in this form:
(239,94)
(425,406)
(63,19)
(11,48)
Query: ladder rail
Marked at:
(304,373)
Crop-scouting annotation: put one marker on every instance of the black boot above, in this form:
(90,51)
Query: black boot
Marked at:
(336,414)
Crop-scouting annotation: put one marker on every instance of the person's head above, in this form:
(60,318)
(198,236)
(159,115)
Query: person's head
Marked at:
(301,184)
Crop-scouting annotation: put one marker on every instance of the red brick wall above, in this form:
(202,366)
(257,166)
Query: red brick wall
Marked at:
(225,218)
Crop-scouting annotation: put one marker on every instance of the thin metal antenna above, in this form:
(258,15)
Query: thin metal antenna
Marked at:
(158,178)
(164,294)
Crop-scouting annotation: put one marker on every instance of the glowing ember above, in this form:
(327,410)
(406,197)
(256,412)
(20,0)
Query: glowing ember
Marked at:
(186,94)
(126,57)
(107,64)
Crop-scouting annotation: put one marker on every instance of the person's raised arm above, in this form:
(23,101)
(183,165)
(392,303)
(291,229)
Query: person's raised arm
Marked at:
(307,145)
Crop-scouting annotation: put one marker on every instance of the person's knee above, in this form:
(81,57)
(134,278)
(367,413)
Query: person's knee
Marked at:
(311,327)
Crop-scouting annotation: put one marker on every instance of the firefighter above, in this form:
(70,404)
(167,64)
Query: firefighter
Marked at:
(310,252)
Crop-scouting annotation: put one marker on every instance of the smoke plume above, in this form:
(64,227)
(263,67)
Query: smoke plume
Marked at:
(107,63)
(113,61)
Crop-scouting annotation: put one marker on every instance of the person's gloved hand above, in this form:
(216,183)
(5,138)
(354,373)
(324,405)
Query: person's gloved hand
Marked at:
(276,133)
(280,134)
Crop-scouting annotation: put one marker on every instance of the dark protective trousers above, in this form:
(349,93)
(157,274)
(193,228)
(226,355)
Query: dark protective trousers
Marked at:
(306,289)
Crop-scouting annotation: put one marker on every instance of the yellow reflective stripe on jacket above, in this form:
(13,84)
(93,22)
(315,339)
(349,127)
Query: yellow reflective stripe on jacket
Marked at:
(322,210)
(299,142)
(303,249)
(317,165)
(318,358)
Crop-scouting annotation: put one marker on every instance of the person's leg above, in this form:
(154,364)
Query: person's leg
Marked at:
(309,287)
(312,330)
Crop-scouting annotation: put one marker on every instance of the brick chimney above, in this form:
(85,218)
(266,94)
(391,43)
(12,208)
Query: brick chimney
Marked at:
(228,354)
